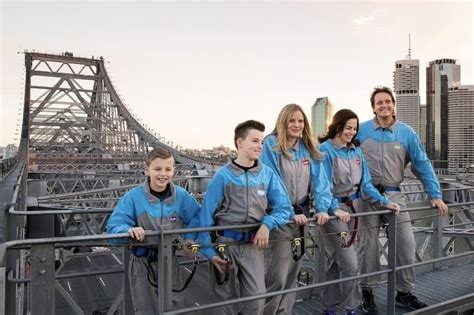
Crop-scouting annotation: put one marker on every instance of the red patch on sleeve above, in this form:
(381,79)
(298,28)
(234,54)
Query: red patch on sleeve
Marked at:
(305,162)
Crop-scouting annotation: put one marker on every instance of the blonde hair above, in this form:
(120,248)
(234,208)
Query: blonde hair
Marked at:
(281,131)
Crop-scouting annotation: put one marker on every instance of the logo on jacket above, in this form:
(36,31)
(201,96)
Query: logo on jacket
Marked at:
(305,162)
(357,161)
(397,146)
(173,219)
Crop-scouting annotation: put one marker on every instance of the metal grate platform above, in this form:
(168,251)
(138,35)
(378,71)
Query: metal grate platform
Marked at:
(431,288)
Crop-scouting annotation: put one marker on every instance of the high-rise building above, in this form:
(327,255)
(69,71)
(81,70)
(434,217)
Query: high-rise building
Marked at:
(461,126)
(321,114)
(406,85)
(422,124)
(441,74)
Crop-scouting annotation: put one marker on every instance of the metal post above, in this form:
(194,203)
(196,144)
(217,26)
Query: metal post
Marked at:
(2,289)
(438,241)
(127,305)
(42,279)
(392,263)
(321,263)
(165,260)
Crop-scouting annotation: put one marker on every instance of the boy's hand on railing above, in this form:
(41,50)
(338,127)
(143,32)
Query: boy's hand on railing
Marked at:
(439,203)
(300,219)
(137,233)
(395,207)
(342,215)
(322,218)
(219,263)
(261,237)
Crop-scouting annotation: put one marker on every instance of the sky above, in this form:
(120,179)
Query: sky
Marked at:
(192,70)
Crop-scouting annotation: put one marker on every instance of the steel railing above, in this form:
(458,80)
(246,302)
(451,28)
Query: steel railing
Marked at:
(43,275)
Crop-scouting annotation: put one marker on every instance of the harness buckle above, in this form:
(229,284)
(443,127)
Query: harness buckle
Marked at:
(343,235)
(194,249)
(221,250)
(385,228)
(296,242)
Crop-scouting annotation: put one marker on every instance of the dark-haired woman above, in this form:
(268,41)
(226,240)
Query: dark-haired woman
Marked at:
(345,164)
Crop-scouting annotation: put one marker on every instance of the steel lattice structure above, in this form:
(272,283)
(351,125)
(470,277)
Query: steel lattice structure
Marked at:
(80,134)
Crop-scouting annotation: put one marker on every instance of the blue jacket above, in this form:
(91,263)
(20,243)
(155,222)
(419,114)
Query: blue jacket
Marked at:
(139,208)
(348,169)
(295,174)
(235,196)
(389,150)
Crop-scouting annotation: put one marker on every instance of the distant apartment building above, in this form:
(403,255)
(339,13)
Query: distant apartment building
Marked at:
(321,114)
(9,151)
(461,126)
(406,85)
(422,124)
(441,74)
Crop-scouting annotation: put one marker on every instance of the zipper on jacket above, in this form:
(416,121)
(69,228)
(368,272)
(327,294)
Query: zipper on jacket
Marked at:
(247,196)
(382,164)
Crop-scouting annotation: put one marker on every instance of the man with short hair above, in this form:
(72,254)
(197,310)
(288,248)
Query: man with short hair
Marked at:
(389,145)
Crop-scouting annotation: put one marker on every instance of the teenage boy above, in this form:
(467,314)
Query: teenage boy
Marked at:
(242,192)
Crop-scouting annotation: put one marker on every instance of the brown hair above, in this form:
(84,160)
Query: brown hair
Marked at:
(381,89)
(241,130)
(338,123)
(158,153)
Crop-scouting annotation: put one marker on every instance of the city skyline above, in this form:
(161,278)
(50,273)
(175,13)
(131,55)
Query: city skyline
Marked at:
(181,63)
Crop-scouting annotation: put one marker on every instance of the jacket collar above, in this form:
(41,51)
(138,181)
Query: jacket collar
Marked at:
(238,171)
(152,199)
(349,146)
(375,124)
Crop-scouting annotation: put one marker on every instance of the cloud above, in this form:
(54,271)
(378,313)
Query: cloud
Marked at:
(363,20)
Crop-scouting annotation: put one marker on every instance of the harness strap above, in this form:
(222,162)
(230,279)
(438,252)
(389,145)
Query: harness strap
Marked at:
(219,279)
(342,235)
(195,250)
(381,188)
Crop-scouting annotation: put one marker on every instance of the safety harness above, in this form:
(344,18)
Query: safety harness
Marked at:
(349,201)
(297,244)
(151,255)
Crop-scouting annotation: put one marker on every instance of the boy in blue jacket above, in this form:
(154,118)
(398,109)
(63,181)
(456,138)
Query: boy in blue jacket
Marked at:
(155,203)
(240,193)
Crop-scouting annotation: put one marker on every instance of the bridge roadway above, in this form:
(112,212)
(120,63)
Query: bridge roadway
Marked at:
(7,185)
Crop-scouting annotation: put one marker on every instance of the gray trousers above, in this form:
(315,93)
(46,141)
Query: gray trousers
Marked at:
(246,278)
(369,252)
(341,262)
(144,295)
(281,270)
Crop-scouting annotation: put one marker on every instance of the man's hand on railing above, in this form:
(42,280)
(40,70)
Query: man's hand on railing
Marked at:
(137,233)
(439,203)
(395,207)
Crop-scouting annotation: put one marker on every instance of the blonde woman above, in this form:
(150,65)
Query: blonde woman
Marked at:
(291,152)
